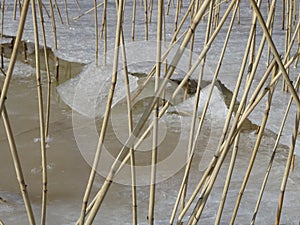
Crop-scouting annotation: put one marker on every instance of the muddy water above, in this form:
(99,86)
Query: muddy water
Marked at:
(68,170)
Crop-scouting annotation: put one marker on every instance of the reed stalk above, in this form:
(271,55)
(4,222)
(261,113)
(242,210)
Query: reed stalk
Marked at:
(18,167)
(155,114)
(104,125)
(67,12)
(41,116)
(270,164)
(228,179)
(14,54)
(87,12)
(146,19)
(196,104)
(124,151)
(287,169)
(47,119)
(96,33)
(133,20)
(1,35)
(276,55)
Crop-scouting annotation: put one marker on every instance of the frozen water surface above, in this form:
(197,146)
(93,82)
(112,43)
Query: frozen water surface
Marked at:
(68,169)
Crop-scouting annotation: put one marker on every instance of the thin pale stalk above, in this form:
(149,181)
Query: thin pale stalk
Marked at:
(133,20)
(155,115)
(18,167)
(276,55)
(47,119)
(196,104)
(287,169)
(146,19)
(228,179)
(53,24)
(273,156)
(58,11)
(41,116)
(87,12)
(96,32)
(14,54)
(67,12)
(104,125)
(140,124)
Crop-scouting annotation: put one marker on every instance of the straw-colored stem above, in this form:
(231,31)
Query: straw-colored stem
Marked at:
(287,169)
(133,20)
(41,116)
(53,24)
(87,12)
(67,12)
(125,149)
(18,168)
(155,115)
(228,179)
(104,125)
(96,33)
(196,104)
(273,156)
(276,55)
(14,54)
(47,119)
(146,19)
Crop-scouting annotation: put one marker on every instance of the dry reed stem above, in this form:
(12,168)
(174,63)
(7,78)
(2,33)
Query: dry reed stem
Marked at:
(133,20)
(146,19)
(139,126)
(53,24)
(18,167)
(270,164)
(287,169)
(14,54)
(96,33)
(104,124)
(196,103)
(276,55)
(41,116)
(228,179)
(155,115)
(67,13)
(58,11)
(87,12)
(47,119)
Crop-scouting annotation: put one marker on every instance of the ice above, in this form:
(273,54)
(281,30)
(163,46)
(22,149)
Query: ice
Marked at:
(216,109)
(87,93)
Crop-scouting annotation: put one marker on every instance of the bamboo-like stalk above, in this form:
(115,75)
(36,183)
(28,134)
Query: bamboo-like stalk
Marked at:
(15,10)
(58,11)
(1,222)
(283,15)
(229,114)
(287,169)
(124,151)
(87,12)
(104,26)
(14,53)
(41,116)
(1,35)
(276,55)
(96,33)
(133,20)
(228,179)
(146,19)
(155,115)
(67,12)
(150,10)
(104,125)
(53,24)
(77,3)
(196,104)
(18,167)
(47,119)
(273,156)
